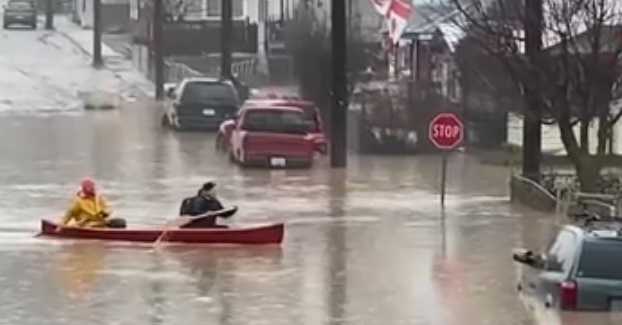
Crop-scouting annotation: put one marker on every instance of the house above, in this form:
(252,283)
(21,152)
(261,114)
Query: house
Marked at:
(426,51)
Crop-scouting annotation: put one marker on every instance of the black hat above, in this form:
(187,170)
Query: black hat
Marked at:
(208,186)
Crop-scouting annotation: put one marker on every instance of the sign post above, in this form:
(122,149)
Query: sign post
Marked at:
(446,132)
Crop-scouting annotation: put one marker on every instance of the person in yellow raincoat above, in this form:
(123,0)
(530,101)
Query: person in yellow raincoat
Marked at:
(89,209)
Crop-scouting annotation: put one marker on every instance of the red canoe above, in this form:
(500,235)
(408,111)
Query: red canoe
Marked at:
(261,235)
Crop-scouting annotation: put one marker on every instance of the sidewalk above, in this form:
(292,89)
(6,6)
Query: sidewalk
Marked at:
(116,62)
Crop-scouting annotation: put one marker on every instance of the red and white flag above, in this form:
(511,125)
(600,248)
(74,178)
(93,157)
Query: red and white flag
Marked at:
(397,18)
(382,6)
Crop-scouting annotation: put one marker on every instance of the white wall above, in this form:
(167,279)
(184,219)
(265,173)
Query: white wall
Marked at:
(551,138)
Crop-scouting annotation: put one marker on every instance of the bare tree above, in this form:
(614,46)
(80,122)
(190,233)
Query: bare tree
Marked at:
(575,76)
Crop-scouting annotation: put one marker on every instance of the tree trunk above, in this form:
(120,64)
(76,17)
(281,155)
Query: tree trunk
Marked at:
(584,136)
(588,172)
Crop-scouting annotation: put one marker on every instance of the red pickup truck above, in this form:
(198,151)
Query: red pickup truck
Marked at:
(271,136)
(311,113)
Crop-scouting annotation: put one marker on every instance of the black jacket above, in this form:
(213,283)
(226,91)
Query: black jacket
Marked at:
(198,205)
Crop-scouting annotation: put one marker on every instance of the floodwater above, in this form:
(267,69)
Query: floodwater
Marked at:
(368,245)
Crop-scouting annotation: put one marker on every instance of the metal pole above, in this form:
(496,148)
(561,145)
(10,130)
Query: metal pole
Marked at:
(158,49)
(98,61)
(443,178)
(49,14)
(226,19)
(338,114)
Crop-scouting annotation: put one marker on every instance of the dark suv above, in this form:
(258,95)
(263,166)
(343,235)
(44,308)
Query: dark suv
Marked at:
(200,104)
(581,269)
(22,12)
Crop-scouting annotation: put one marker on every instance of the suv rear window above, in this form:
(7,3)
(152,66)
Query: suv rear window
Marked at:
(275,121)
(601,259)
(20,5)
(201,92)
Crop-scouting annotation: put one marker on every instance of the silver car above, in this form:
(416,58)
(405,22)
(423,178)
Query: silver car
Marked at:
(581,269)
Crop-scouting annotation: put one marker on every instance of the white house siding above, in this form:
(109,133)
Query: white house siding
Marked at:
(551,138)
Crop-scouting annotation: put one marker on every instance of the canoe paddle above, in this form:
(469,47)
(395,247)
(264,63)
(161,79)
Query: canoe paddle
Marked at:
(182,221)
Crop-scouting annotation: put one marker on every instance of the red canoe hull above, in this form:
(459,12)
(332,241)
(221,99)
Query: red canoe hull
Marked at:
(262,235)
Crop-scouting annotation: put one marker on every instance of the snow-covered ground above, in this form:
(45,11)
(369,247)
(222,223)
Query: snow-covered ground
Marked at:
(47,70)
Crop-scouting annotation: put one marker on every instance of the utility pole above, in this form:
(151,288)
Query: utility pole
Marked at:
(532,126)
(339,90)
(226,27)
(158,48)
(98,61)
(49,14)
(282,11)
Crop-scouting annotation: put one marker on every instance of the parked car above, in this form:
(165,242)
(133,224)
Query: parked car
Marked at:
(312,116)
(581,269)
(271,136)
(200,104)
(20,12)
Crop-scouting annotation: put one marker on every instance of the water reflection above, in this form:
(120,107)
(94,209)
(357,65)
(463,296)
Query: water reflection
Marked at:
(78,266)
(337,264)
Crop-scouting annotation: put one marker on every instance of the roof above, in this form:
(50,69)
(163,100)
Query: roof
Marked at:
(206,79)
(278,101)
(271,108)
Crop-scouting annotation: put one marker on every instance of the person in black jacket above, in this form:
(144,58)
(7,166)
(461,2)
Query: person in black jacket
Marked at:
(204,202)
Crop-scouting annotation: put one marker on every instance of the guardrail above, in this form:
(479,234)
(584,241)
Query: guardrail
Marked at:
(529,193)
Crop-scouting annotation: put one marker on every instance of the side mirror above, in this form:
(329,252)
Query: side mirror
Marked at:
(170,93)
(527,257)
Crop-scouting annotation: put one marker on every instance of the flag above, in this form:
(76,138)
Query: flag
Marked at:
(397,18)
(382,6)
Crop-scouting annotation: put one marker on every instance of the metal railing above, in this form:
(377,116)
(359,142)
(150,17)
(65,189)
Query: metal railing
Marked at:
(176,72)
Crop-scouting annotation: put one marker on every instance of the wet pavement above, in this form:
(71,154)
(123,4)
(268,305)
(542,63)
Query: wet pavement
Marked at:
(368,245)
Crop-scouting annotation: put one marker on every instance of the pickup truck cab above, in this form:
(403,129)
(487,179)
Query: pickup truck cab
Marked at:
(200,104)
(271,136)
(311,114)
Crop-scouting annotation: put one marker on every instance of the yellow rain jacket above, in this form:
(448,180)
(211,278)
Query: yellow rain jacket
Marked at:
(87,211)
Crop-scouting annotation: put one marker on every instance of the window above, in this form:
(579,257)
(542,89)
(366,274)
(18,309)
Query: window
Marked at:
(201,92)
(561,252)
(276,121)
(20,5)
(601,260)
(213,8)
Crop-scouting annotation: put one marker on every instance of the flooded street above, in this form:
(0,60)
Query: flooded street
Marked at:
(369,245)
(363,246)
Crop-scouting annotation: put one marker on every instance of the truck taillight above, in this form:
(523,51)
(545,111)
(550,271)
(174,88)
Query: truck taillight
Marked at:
(568,292)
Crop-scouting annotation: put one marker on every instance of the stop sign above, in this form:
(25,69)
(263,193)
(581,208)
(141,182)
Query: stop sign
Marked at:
(446,131)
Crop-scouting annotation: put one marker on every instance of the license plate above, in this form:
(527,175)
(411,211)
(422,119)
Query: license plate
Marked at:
(615,305)
(277,162)
(209,112)
(19,17)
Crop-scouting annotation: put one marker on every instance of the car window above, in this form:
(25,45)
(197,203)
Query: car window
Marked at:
(274,121)
(561,253)
(308,110)
(200,92)
(20,5)
(602,260)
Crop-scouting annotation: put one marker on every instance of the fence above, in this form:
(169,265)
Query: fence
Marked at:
(175,72)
